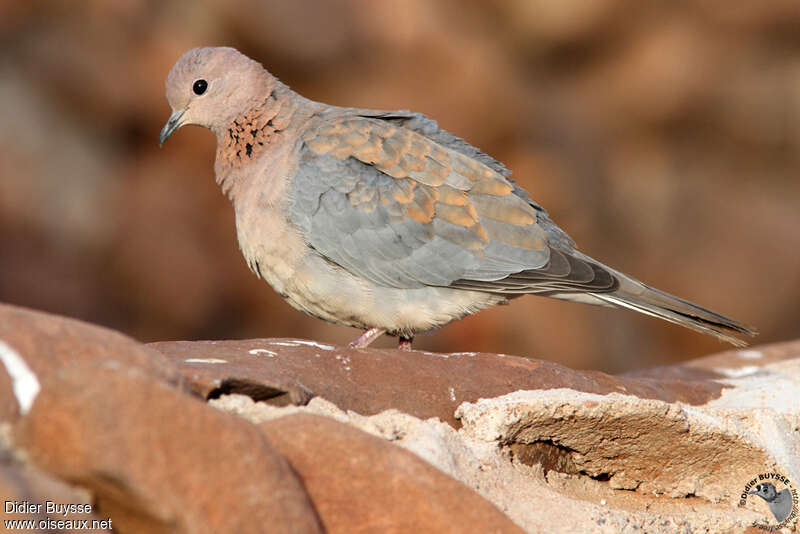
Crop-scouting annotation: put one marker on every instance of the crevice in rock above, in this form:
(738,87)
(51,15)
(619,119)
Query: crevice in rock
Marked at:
(253,389)
(552,457)
(548,454)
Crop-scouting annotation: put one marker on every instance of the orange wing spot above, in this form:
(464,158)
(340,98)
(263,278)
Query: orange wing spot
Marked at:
(504,209)
(395,171)
(356,138)
(382,128)
(412,163)
(418,214)
(469,169)
(436,170)
(494,187)
(393,148)
(360,126)
(321,144)
(369,152)
(342,151)
(335,128)
(440,156)
(403,192)
(481,233)
(458,215)
(524,237)
(452,196)
(518,217)
(419,146)
(422,209)
(363,197)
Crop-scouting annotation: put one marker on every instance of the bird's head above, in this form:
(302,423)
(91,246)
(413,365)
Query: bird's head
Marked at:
(766,491)
(210,87)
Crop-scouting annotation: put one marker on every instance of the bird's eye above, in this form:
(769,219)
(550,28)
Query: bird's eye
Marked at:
(200,87)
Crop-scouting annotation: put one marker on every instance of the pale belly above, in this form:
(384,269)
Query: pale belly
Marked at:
(320,288)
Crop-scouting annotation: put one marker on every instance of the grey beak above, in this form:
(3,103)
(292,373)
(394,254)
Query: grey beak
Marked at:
(173,124)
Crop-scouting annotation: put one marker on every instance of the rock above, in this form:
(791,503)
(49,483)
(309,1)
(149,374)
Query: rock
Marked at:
(39,344)
(538,502)
(423,384)
(360,483)
(158,460)
(707,451)
(28,491)
(9,407)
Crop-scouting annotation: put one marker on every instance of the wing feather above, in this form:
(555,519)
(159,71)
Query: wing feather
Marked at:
(402,203)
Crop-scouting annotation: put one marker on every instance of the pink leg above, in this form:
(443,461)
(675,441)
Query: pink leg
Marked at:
(404,343)
(366,338)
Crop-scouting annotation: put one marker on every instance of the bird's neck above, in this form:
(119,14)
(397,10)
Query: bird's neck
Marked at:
(251,135)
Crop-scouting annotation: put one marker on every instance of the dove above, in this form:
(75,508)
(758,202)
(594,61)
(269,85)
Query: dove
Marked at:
(382,220)
(780,503)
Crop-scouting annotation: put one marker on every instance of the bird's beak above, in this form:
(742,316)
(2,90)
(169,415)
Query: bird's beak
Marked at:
(173,124)
(753,492)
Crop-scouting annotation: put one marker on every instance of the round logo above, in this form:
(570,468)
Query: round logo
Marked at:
(776,496)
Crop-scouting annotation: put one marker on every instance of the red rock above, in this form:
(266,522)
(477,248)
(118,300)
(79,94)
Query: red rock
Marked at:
(47,343)
(361,483)
(9,408)
(158,460)
(423,384)
(709,367)
(28,490)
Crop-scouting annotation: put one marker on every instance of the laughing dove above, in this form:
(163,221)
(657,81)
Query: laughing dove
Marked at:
(780,503)
(381,220)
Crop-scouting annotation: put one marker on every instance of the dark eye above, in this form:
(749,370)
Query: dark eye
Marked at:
(200,87)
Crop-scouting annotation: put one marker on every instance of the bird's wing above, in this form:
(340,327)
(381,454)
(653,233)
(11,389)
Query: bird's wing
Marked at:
(403,209)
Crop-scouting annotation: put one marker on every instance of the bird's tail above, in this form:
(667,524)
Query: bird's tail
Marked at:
(637,296)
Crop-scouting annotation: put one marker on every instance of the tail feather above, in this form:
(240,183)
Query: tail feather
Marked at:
(637,296)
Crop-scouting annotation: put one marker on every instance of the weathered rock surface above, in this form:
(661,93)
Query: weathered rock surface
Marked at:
(360,483)
(308,437)
(158,460)
(34,345)
(24,485)
(424,384)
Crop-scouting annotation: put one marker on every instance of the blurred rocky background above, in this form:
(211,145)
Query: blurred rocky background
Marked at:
(664,136)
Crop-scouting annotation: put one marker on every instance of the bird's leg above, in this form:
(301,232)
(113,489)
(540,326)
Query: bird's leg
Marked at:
(366,338)
(404,343)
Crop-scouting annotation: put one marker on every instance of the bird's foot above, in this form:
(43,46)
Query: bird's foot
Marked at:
(366,338)
(404,343)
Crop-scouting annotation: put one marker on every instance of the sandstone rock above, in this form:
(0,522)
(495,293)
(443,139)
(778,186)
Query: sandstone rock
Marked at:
(157,460)
(423,384)
(9,407)
(539,502)
(359,483)
(42,344)
(28,491)
(707,451)
(727,364)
